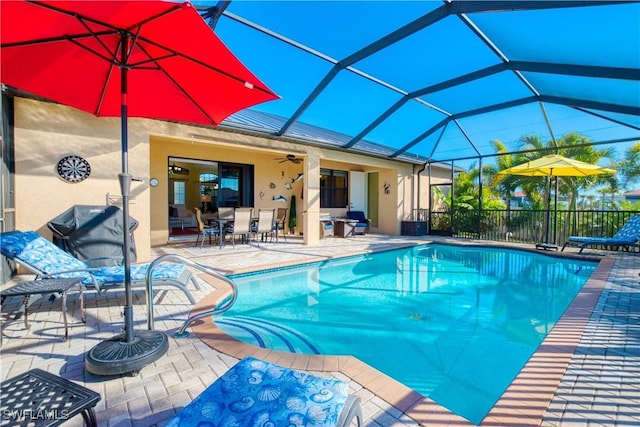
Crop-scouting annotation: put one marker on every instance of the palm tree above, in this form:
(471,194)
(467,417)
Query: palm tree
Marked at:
(505,184)
(575,146)
(629,167)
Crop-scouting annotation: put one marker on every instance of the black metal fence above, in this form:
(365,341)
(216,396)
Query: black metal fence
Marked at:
(524,226)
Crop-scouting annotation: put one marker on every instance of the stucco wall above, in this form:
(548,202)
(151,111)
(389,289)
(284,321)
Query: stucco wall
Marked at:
(46,132)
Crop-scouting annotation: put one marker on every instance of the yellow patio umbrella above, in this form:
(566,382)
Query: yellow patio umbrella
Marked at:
(555,165)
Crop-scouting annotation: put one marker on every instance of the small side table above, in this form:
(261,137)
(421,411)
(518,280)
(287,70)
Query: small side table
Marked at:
(47,286)
(345,227)
(39,398)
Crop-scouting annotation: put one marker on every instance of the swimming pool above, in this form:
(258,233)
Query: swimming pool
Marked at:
(454,323)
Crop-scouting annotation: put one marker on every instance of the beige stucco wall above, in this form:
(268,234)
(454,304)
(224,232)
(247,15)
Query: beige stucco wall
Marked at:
(45,132)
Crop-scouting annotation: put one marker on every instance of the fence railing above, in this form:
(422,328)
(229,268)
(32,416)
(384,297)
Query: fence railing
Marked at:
(525,226)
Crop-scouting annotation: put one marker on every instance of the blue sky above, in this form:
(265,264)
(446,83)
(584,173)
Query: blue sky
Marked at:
(606,36)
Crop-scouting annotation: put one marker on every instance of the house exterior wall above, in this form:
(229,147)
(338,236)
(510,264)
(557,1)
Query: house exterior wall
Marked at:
(46,132)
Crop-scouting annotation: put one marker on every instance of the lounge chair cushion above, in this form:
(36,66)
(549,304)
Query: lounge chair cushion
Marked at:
(258,393)
(47,259)
(627,235)
(35,250)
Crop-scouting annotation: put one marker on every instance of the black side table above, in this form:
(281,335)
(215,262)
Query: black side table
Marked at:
(47,286)
(39,398)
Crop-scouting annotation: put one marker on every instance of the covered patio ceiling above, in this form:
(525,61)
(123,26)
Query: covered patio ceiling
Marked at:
(429,81)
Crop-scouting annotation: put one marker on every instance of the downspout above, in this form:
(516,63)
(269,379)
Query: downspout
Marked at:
(480,201)
(419,187)
(452,199)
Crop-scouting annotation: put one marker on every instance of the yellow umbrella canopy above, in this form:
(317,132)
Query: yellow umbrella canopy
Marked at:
(556,165)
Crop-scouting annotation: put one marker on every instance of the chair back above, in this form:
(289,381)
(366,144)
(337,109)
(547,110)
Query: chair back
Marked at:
(265,220)
(242,221)
(282,216)
(630,231)
(40,255)
(226,212)
(357,215)
(199,219)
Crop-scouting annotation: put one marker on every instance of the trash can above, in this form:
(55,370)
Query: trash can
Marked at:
(89,232)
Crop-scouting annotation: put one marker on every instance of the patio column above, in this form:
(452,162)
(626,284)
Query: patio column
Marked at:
(311,200)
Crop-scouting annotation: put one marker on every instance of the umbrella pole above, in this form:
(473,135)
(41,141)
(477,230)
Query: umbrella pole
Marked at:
(555,213)
(131,351)
(548,225)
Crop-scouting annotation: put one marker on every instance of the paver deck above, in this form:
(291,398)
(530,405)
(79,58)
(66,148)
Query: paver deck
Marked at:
(584,373)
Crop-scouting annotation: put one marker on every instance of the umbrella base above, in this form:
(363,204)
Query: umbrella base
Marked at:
(547,246)
(115,356)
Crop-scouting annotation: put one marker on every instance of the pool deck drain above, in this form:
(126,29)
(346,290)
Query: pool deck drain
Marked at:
(584,373)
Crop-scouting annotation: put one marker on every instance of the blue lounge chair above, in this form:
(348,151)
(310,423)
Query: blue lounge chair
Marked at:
(255,392)
(46,260)
(628,235)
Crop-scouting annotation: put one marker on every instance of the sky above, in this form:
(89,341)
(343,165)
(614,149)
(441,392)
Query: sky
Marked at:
(332,31)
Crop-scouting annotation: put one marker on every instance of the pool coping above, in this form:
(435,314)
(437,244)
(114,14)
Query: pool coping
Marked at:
(523,403)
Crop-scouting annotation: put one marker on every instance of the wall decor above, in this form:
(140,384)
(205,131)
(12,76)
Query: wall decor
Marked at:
(387,187)
(73,168)
(154,182)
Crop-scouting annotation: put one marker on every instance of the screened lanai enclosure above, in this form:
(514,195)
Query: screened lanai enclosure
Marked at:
(477,85)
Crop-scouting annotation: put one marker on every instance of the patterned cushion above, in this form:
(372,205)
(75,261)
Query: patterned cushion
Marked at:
(259,393)
(115,274)
(628,234)
(37,252)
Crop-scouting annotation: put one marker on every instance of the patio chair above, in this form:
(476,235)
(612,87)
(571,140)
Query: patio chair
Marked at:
(242,218)
(205,230)
(628,235)
(326,227)
(362,227)
(264,225)
(256,392)
(44,259)
(279,225)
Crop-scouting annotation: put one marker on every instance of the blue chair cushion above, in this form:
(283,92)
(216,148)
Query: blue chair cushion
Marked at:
(258,393)
(36,251)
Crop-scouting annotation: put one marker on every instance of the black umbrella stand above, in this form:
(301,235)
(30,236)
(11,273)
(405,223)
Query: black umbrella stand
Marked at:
(132,350)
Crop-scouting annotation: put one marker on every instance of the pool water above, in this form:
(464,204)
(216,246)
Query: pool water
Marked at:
(453,323)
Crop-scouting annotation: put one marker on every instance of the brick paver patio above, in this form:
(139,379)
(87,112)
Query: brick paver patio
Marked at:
(585,373)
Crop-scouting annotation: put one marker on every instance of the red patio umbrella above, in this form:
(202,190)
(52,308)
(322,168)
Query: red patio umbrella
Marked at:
(154,59)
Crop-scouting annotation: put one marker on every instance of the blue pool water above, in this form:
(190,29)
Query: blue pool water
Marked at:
(454,323)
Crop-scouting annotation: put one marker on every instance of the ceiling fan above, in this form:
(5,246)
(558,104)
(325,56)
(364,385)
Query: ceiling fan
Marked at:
(289,158)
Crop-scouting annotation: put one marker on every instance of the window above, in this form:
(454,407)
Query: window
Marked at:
(179,192)
(208,191)
(333,188)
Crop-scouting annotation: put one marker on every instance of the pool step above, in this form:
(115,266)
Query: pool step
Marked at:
(267,334)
